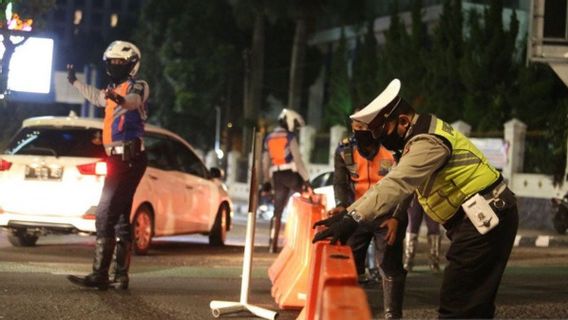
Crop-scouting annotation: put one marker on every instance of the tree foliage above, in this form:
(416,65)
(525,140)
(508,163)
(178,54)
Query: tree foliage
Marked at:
(191,62)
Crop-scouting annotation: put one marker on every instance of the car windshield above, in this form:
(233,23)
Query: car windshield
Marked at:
(61,141)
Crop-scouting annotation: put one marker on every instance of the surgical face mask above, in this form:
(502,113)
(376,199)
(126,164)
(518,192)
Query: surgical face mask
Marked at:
(365,138)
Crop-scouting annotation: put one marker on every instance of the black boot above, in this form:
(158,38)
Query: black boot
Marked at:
(123,253)
(99,277)
(393,294)
(274,231)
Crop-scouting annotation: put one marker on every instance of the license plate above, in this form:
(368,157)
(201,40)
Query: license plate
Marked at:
(44,173)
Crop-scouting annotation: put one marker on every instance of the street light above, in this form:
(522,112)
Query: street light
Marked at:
(218,150)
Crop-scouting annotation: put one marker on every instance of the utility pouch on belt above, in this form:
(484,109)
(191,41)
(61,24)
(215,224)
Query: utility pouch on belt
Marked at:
(131,150)
(480,213)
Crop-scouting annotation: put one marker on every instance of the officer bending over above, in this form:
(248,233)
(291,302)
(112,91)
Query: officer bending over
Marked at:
(455,185)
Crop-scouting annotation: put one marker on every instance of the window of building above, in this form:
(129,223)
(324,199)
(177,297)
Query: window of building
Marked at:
(113,20)
(78,17)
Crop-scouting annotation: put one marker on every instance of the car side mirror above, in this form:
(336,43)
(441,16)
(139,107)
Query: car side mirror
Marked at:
(216,173)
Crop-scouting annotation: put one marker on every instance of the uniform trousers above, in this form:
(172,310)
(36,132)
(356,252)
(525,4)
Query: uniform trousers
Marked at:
(389,258)
(115,205)
(475,267)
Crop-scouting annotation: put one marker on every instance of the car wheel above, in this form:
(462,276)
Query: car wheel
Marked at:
(218,233)
(142,230)
(20,238)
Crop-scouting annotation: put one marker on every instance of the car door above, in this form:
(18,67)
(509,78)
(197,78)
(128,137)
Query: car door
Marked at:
(199,194)
(166,190)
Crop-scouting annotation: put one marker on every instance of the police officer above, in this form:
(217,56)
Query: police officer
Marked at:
(359,163)
(455,185)
(415,217)
(124,101)
(283,162)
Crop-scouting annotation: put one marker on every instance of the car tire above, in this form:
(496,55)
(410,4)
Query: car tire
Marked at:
(142,230)
(218,233)
(20,238)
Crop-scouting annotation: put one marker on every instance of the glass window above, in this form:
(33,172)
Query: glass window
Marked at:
(160,153)
(189,162)
(66,141)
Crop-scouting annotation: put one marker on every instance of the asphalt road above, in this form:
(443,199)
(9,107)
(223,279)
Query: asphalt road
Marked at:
(181,275)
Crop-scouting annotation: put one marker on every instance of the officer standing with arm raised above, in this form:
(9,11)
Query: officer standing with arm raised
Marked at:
(359,163)
(124,101)
(455,185)
(282,161)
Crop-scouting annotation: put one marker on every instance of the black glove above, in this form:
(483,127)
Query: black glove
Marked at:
(339,227)
(71,77)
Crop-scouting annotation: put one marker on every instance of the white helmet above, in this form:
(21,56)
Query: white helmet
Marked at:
(291,119)
(125,51)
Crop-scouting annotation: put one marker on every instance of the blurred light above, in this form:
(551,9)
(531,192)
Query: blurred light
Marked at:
(219,153)
(31,65)
(78,17)
(95,168)
(5,165)
(113,20)
(229,125)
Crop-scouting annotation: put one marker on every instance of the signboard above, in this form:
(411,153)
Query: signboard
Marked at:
(31,65)
(494,149)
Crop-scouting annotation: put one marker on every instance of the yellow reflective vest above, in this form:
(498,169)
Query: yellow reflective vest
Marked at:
(466,173)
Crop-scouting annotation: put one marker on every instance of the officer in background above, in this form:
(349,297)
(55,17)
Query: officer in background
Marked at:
(360,162)
(455,185)
(124,101)
(283,163)
(415,217)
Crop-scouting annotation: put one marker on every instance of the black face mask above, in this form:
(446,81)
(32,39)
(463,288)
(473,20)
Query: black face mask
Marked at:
(365,139)
(393,141)
(118,72)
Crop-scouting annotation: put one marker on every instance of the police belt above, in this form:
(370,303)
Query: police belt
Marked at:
(119,148)
(492,194)
(282,167)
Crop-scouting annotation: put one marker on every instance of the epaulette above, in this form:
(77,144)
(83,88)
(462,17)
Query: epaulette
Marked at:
(346,151)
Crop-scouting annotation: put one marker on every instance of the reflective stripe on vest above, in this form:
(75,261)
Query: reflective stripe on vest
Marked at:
(278,146)
(466,173)
(365,173)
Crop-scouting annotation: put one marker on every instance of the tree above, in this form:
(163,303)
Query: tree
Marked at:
(191,62)
(339,104)
(365,69)
(489,67)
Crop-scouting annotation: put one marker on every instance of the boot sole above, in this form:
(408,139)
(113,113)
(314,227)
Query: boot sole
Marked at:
(82,283)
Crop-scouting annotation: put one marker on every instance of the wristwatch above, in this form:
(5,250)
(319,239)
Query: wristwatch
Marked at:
(356,216)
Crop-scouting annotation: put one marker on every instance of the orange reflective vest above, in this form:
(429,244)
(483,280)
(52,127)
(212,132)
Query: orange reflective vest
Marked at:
(365,173)
(277,144)
(121,124)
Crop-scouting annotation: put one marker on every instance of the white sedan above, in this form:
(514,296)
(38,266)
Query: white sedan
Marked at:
(52,173)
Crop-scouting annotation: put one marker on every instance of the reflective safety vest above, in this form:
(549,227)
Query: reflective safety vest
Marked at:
(121,124)
(364,173)
(277,143)
(466,172)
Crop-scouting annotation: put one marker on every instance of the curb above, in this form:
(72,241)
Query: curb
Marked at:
(541,241)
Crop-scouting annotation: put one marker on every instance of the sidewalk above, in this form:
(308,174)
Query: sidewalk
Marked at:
(525,237)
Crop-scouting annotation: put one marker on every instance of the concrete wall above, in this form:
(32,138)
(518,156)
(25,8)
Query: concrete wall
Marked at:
(534,191)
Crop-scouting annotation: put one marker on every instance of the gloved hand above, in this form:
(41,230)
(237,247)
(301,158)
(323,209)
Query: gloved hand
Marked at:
(71,77)
(339,227)
(335,211)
